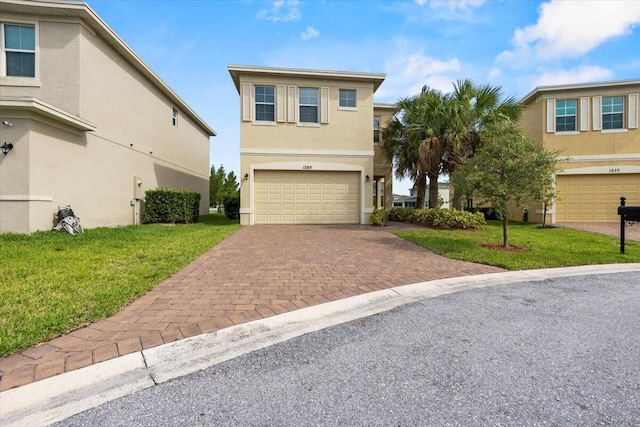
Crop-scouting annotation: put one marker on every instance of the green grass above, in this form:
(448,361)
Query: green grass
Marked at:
(51,283)
(548,247)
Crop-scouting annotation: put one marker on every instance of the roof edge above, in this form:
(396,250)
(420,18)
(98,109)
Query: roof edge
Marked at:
(235,70)
(549,88)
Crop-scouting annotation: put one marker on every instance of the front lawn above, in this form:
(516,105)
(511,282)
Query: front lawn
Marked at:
(548,247)
(51,283)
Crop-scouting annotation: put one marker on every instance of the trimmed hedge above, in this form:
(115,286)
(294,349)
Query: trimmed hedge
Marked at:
(438,218)
(171,207)
(232,206)
(489,213)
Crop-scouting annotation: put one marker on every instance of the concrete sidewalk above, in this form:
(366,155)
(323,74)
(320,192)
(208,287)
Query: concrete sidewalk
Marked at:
(256,273)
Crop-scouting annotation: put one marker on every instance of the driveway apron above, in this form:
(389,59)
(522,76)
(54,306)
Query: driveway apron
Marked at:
(257,272)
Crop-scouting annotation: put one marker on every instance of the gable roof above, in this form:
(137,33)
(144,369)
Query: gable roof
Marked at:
(577,86)
(236,70)
(65,8)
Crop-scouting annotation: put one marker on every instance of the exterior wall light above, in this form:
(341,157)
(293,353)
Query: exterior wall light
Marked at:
(6,148)
(367,178)
(246,176)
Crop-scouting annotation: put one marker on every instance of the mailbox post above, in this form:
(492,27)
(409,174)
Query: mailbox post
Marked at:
(628,214)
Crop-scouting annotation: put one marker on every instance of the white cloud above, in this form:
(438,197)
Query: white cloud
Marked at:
(495,73)
(581,74)
(571,29)
(408,73)
(282,10)
(310,33)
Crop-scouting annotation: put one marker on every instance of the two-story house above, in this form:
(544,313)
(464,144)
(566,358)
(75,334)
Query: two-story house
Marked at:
(86,122)
(595,128)
(308,146)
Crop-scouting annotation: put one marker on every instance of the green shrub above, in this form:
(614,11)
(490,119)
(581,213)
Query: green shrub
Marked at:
(170,206)
(232,206)
(379,216)
(438,218)
(488,212)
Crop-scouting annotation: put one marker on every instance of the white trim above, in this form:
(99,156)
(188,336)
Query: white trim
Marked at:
(280,103)
(573,132)
(246,102)
(38,106)
(614,130)
(601,170)
(259,123)
(246,210)
(599,158)
(25,198)
(314,153)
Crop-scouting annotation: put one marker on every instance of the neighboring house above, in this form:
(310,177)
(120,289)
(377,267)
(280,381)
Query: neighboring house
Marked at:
(90,124)
(595,127)
(410,200)
(307,146)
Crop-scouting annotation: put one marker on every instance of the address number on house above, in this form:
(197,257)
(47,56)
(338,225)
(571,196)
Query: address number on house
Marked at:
(306,167)
(614,170)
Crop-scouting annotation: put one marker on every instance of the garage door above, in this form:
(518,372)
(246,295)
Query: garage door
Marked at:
(595,198)
(306,197)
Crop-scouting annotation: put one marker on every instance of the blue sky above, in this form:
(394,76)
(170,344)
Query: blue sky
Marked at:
(517,45)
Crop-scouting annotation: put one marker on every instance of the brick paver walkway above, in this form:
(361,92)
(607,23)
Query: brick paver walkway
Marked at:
(257,272)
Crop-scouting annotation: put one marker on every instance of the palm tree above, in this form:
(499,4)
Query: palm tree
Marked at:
(401,145)
(473,108)
(414,139)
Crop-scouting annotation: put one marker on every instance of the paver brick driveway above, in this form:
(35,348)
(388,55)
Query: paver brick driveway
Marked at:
(257,272)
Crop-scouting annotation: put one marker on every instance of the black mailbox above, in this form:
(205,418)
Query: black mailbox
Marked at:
(627,214)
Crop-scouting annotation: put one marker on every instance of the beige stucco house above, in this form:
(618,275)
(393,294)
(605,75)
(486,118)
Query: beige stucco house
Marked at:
(91,125)
(595,127)
(308,146)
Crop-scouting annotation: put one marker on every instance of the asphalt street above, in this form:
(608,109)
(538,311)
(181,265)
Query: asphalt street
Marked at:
(561,352)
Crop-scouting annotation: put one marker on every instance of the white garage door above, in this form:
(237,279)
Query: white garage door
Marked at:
(306,197)
(595,198)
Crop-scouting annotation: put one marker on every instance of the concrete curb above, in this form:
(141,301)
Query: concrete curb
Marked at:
(54,399)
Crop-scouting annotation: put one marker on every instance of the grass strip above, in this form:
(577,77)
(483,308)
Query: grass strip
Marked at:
(544,247)
(51,283)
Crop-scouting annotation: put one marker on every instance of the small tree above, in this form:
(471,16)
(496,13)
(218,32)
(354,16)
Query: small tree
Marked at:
(508,167)
(216,186)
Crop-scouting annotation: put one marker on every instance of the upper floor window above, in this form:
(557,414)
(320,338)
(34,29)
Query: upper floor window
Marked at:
(347,98)
(19,50)
(612,112)
(308,101)
(265,103)
(376,129)
(566,115)
(174,117)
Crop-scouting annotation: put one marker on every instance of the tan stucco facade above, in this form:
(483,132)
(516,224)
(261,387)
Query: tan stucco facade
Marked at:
(597,165)
(340,141)
(94,128)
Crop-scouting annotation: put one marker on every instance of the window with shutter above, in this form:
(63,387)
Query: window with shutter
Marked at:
(280,104)
(308,105)
(291,104)
(596,101)
(612,112)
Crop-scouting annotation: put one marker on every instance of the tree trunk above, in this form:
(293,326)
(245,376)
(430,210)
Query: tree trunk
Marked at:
(505,233)
(421,188)
(433,191)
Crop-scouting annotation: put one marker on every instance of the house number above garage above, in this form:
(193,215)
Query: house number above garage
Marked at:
(307,167)
(615,170)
